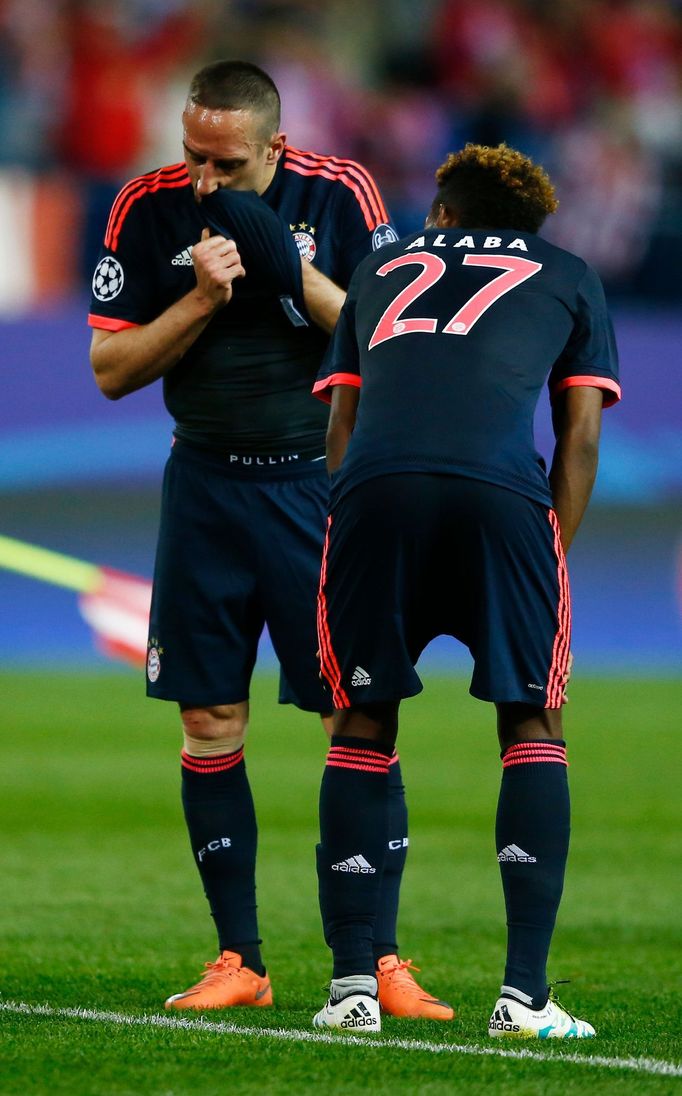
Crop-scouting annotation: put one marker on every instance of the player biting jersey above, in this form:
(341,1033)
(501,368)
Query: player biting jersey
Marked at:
(223,275)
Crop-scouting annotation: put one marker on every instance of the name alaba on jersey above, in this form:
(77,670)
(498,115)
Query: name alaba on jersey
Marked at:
(244,385)
(451,336)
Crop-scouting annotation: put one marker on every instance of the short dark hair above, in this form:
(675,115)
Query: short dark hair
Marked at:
(494,188)
(237,85)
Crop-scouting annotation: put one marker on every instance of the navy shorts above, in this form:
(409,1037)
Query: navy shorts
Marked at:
(239,547)
(410,557)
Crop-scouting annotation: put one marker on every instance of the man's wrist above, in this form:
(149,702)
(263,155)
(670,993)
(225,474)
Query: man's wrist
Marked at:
(205,306)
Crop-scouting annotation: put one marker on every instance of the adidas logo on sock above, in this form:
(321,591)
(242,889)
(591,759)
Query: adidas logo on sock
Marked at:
(183,258)
(357,865)
(360,677)
(360,1016)
(514,853)
(501,1021)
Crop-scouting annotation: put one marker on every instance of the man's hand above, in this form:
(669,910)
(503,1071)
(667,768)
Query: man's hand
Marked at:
(216,265)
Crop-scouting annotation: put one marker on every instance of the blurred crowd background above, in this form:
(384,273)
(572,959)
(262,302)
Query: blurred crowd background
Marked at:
(91,93)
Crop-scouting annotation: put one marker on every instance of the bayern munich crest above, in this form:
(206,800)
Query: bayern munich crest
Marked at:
(306,245)
(153,662)
(107,281)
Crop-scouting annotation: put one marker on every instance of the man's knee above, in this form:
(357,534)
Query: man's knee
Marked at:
(375,722)
(209,732)
(526,723)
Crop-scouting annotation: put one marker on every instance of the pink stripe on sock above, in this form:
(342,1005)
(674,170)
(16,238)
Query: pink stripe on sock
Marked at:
(531,753)
(218,764)
(348,757)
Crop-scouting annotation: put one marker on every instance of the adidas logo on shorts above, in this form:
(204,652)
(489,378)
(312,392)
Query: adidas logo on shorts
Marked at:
(360,677)
(356,865)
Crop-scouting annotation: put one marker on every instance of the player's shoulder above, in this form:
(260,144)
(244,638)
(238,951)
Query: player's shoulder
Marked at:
(155,186)
(346,179)
(334,169)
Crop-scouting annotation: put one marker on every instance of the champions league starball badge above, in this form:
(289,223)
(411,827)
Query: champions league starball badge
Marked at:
(107,281)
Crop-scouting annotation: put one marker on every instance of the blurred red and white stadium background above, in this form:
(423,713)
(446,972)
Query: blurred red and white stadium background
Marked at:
(90,95)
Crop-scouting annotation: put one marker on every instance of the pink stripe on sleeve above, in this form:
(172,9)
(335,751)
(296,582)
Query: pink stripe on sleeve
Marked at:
(612,392)
(322,389)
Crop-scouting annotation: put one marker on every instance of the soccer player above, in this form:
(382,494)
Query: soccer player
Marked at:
(196,285)
(443,520)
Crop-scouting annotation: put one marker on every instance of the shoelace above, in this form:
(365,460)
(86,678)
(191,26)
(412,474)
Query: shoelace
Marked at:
(402,974)
(219,969)
(554,997)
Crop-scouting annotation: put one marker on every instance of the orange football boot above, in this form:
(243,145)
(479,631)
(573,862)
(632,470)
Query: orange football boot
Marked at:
(225,984)
(400,995)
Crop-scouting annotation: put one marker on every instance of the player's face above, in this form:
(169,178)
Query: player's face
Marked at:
(226,148)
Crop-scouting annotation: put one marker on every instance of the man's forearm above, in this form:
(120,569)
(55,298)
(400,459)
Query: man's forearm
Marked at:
(323,298)
(134,357)
(341,423)
(572,478)
(577,424)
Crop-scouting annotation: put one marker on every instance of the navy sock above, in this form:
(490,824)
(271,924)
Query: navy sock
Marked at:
(385,928)
(350,856)
(532,834)
(221,821)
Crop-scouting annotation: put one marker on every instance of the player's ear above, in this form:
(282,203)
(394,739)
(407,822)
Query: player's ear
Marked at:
(446,217)
(276,148)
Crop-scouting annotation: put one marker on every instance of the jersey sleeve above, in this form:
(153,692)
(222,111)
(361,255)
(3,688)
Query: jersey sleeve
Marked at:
(590,357)
(123,292)
(364,223)
(341,363)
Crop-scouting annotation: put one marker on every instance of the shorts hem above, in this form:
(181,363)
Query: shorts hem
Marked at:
(203,702)
(541,702)
(314,709)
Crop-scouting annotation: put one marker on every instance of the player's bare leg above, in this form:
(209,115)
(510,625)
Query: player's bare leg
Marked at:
(222,827)
(532,834)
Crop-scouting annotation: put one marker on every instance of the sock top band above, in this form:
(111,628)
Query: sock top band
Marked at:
(217,764)
(365,760)
(529,753)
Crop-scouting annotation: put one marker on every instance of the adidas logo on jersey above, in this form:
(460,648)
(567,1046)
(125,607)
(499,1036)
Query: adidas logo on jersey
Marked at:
(514,853)
(360,677)
(357,865)
(501,1021)
(360,1016)
(183,258)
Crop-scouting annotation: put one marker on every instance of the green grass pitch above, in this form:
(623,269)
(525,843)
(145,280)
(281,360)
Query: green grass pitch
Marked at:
(101,906)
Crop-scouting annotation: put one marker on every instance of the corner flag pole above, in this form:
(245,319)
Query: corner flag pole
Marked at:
(115,604)
(48,566)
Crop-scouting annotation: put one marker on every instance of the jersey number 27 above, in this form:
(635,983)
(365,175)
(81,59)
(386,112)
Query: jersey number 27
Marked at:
(514,271)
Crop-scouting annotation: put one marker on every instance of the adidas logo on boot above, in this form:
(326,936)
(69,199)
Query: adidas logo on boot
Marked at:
(513,1019)
(357,1012)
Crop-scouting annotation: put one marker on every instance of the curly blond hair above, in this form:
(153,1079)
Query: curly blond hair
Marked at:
(497,187)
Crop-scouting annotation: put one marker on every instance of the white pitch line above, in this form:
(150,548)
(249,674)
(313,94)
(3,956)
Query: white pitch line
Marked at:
(292,1035)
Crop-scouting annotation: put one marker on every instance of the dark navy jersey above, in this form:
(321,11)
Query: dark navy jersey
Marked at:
(244,385)
(450,336)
